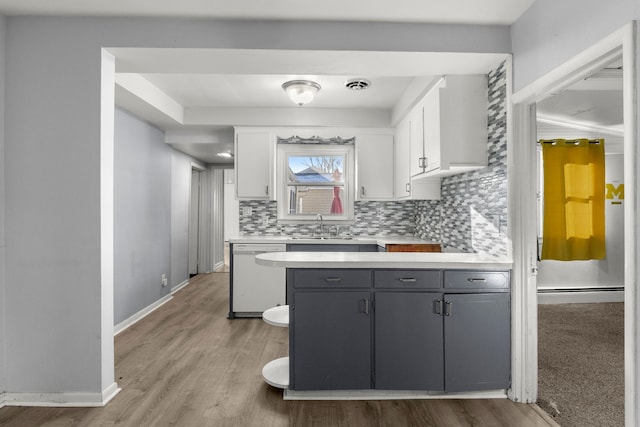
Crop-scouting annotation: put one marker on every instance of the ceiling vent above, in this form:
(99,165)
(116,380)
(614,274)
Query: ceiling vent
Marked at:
(357,84)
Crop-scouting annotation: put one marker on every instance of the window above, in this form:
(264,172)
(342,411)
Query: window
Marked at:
(315,179)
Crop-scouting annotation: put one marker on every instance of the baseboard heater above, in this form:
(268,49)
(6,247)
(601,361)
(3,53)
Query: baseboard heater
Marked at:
(580,295)
(592,289)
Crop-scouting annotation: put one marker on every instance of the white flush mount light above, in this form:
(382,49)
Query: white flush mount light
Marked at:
(301,91)
(225,155)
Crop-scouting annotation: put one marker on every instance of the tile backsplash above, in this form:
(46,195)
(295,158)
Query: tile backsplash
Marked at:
(470,217)
(472,213)
(393,218)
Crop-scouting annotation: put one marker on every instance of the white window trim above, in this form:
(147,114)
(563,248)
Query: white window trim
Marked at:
(347,150)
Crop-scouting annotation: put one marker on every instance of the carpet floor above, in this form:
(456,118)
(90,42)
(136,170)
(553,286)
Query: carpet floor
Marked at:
(581,363)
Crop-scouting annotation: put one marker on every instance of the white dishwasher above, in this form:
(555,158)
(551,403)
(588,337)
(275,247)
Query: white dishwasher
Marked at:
(255,288)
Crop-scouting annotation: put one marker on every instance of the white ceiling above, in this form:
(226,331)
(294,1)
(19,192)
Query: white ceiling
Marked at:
(502,12)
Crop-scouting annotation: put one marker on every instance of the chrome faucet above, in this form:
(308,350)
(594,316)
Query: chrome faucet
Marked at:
(319,218)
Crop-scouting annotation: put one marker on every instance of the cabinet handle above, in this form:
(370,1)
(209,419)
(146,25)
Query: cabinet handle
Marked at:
(438,306)
(362,192)
(407,279)
(476,280)
(365,302)
(447,308)
(407,187)
(267,190)
(333,279)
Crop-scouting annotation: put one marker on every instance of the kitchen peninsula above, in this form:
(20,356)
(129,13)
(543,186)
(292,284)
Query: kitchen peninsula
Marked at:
(374,322)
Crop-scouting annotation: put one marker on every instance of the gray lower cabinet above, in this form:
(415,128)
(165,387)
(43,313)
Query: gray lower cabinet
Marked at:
(399,329)
(332,341)
(408,341)
(477,341)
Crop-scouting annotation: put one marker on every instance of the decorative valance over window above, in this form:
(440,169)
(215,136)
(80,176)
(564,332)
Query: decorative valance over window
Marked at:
(316,140)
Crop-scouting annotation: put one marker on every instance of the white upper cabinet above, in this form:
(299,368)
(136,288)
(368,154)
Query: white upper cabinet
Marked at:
(402,174)
(254,164)
(406,187)
(453,128)
(374,165)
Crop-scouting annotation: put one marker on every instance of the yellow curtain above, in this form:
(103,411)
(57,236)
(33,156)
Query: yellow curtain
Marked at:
(574,189)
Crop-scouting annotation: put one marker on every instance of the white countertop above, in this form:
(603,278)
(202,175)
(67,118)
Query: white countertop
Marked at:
(435,260)
(355,240)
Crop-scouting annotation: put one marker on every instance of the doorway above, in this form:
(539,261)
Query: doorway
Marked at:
(194,221)
(581,303)
(525,297)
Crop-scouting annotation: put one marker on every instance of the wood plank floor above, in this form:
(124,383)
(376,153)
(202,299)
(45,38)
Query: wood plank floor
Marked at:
(186,364)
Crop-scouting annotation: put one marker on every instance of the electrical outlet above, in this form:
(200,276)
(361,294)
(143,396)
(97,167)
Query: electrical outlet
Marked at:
(164,280)
(265,220)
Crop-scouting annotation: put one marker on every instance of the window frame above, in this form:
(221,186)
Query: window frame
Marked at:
(286,150)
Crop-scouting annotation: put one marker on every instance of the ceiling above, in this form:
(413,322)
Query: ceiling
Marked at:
(196,95)
(502,12)
(590,108)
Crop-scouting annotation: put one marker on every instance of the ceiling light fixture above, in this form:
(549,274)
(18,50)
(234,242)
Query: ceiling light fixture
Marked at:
(301,91)
(225,155)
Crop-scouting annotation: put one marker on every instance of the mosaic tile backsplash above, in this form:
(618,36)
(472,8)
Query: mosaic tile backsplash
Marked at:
(371,219)
(470,217)
(472,213)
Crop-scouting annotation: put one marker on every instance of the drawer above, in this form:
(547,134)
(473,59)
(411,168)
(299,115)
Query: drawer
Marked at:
(407,279)
(322,247)
(338,278)
(463,279)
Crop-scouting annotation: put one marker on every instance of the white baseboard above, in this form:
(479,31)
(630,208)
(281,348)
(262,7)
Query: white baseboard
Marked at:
(388,395)
(65,400)
(141,314)
(179,286)
(579,296)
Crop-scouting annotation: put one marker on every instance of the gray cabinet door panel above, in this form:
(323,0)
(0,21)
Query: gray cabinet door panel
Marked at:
(477,341)
(332,342)
(408,341)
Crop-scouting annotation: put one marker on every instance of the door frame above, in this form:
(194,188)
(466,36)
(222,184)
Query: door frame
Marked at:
(523,212)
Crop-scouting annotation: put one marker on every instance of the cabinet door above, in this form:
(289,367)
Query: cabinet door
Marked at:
(416,139)
(374,165)
(402,174)
(408,341)
(254,169)
(431,118)
(331,341)
(477,341)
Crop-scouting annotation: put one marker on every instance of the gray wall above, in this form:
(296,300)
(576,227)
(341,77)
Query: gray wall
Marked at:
(551,32)
(2,209)
(142,221)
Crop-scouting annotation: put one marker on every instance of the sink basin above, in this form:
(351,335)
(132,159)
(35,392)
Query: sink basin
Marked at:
(322,237)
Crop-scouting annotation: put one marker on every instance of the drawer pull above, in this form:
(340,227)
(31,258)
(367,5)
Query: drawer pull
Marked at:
(333,279)
(407,279)
(477,280)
